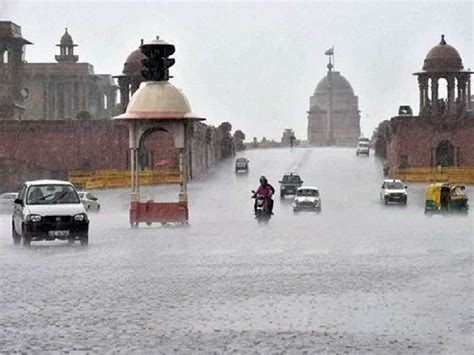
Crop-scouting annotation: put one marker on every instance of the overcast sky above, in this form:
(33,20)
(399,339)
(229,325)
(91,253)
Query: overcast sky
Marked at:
(255,64)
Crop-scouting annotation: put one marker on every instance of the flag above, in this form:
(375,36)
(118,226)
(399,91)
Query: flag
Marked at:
(330,51)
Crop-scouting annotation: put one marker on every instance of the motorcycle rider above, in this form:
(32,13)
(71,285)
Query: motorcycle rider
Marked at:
(267,191)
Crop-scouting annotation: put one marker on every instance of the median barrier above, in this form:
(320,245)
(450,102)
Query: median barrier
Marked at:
(121,178)
(461,175)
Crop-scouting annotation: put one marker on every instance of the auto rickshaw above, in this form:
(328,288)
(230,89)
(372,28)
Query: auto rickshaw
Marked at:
(443,197)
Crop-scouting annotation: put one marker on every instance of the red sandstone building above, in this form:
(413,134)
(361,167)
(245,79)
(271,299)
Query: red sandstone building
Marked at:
(36,139)
(443,132)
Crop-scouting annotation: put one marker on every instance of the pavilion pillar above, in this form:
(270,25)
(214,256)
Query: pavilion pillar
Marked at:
(124,87)
(462,91)
(135,84)
(451,88)
(434,95)
(468,104)
(423,87)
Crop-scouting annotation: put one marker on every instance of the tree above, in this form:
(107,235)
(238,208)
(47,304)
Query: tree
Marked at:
(227,141)
(83,115)
(255,142)
(225,127)
(239,135)
(239,138)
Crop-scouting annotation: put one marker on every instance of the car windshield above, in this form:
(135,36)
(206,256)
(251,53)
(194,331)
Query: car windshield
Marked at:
(51,194)
(308,192)
(292,179)
(394,185)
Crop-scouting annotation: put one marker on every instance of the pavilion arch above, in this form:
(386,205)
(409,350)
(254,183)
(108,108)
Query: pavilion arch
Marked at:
(157,149)
(445,154)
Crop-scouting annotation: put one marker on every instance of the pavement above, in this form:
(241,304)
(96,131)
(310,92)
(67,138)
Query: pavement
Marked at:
(359,277)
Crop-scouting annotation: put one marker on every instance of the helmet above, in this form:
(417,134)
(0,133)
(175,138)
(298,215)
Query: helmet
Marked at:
(263,179)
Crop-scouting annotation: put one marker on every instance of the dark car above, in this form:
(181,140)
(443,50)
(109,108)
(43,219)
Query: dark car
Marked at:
(289,184)
(241,164)
(405,110)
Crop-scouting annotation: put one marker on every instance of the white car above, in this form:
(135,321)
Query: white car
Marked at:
(89,200)
(7,201)
(393,191)
(49,210)
(363,148)
(307,198)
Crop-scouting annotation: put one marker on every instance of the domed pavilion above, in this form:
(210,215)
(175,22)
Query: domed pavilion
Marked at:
(66,49)
(333,116)
(443,62)
(131,78)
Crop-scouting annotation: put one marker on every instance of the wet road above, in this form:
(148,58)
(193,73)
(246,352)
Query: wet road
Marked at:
(359,277)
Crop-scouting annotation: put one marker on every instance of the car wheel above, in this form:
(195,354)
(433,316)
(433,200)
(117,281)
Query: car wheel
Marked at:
(70,240)
(98,208)
(16,237)
(26,238)
(85,239)
(386,201)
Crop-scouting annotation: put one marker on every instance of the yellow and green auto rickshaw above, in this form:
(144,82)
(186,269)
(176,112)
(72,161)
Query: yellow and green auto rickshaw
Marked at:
(443,197)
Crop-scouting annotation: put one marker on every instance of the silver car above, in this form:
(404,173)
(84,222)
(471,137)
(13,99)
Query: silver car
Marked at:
(7,201)
(307,198)
(89,200)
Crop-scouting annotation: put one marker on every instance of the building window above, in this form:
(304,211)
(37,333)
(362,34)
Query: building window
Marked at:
(5,57)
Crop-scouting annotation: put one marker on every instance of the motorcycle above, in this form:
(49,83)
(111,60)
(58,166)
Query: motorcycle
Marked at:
(262,206)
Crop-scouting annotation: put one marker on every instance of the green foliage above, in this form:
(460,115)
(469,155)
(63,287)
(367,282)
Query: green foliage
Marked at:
(239,135)
(225,127)
(83,115)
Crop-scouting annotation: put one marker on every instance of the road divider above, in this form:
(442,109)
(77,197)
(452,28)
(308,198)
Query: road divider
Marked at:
(102,179)
(453,175)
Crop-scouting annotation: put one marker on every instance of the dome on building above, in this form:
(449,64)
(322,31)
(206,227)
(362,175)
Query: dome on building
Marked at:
(66,39)
(339,84)
(443,58)
(133,65)
(158,100)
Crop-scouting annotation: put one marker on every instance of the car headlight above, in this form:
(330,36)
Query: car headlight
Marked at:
(33,218)
(80,217)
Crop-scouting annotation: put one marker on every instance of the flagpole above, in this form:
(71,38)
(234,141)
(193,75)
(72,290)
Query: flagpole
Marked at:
(333,59)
